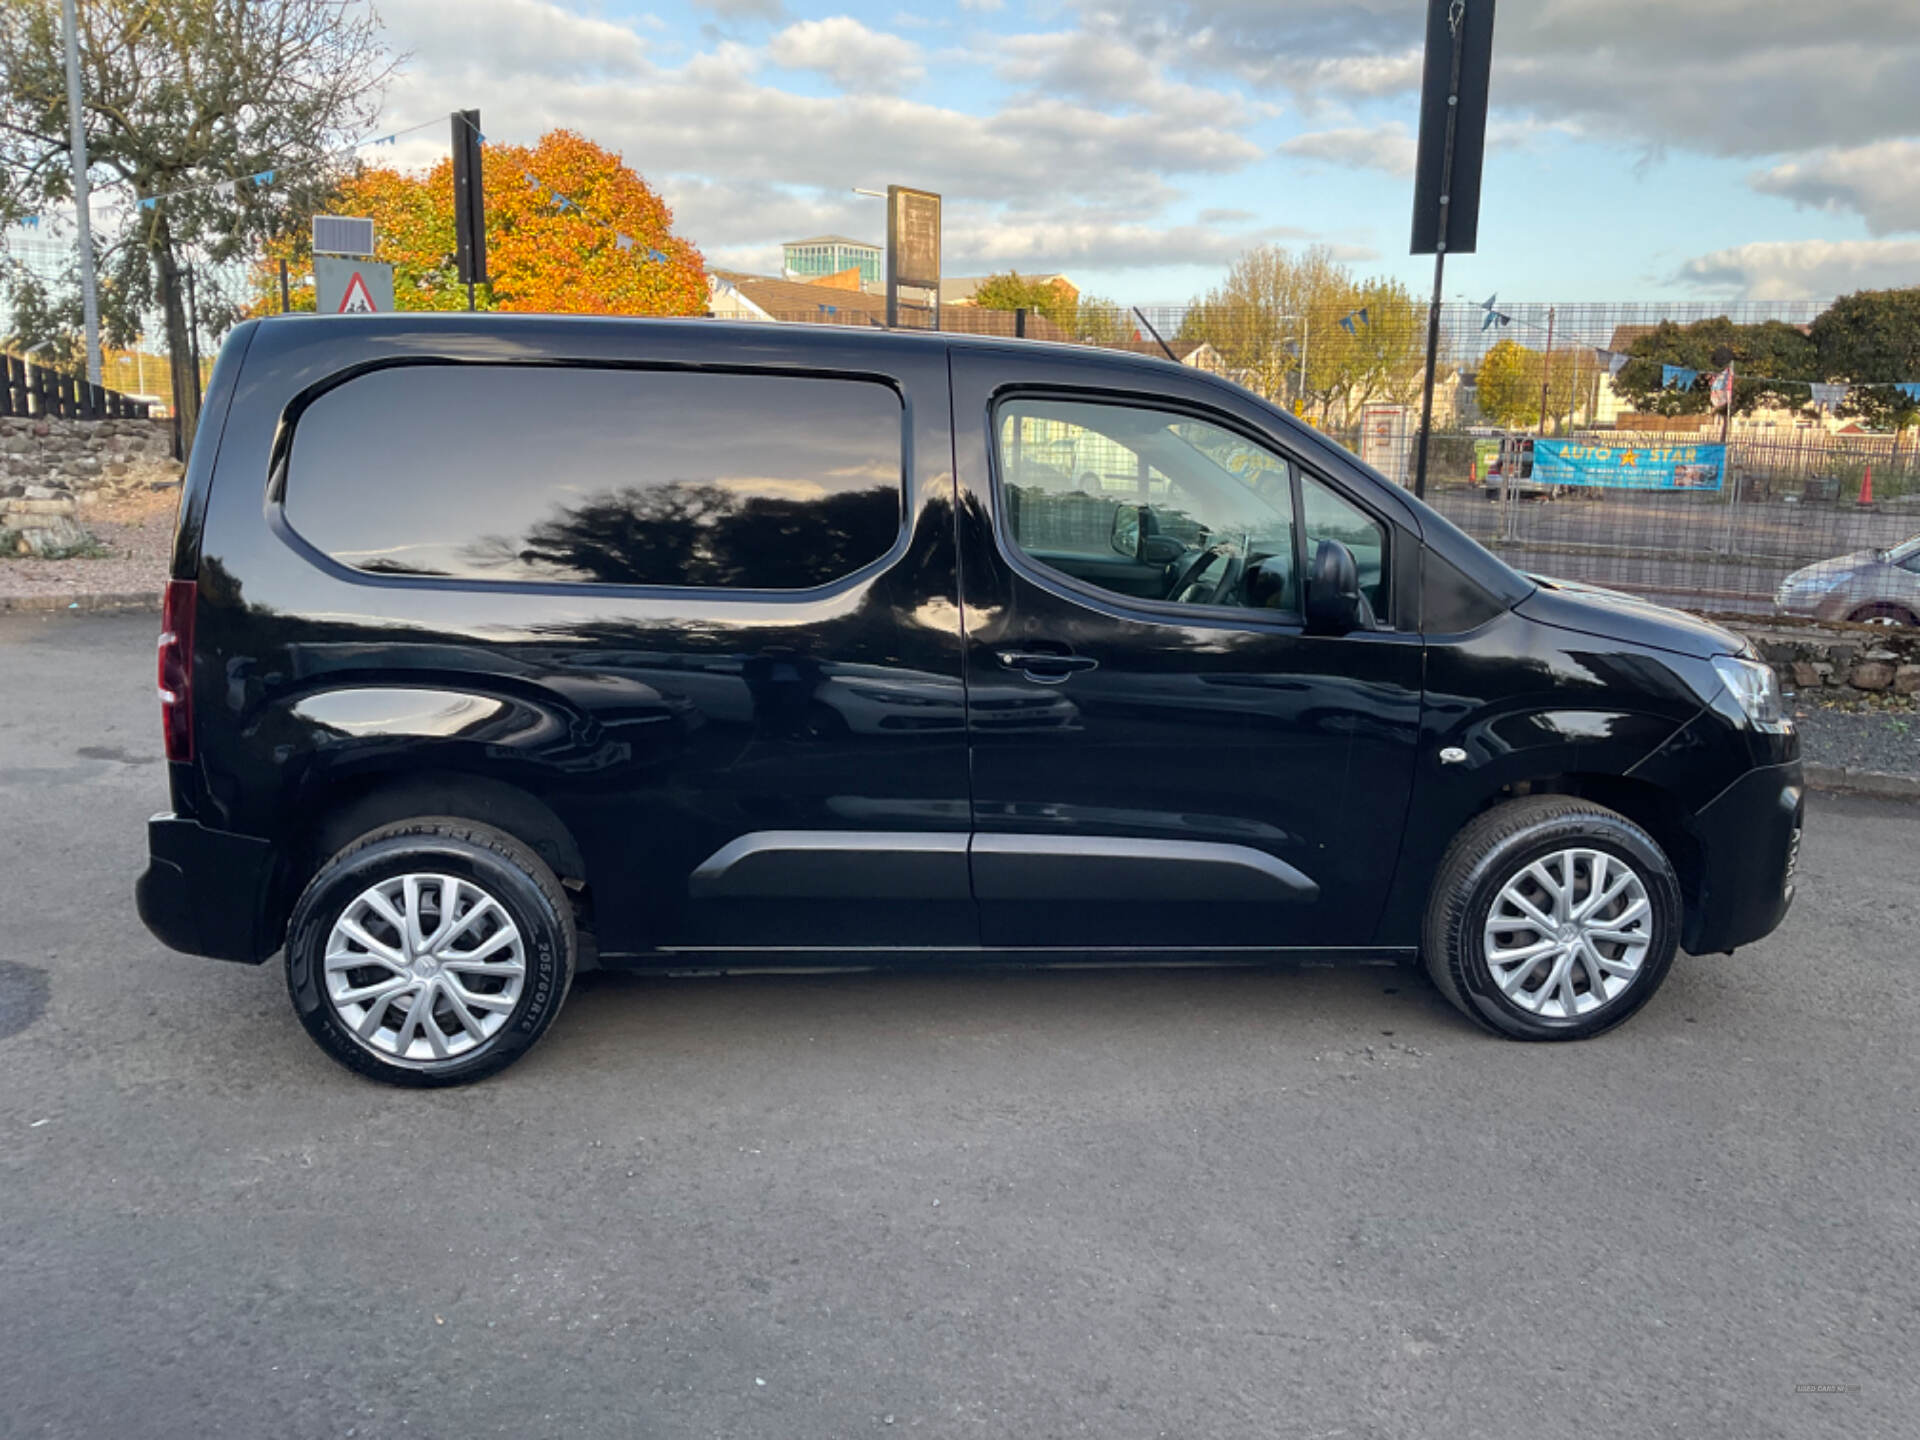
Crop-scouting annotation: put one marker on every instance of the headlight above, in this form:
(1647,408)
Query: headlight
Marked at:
(1757,689)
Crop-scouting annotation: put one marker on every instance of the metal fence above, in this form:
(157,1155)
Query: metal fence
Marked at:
(1795,491)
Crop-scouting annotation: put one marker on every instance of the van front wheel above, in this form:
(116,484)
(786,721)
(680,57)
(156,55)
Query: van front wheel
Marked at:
(1551,918)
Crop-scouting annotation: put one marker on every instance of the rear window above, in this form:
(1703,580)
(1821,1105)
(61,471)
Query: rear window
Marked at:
(594,476)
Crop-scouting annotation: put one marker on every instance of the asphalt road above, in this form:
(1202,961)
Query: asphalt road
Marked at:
(1277,1202)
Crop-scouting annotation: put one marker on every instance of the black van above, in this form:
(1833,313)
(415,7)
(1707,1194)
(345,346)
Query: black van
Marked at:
(501,647)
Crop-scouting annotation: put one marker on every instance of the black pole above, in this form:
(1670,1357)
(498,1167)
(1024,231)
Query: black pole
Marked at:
(1439,260)
(286,292)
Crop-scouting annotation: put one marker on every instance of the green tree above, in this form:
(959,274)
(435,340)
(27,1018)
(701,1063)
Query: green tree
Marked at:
(1770,352)
(1509,390)
(1014,291)
(1871,340)
(180,97)
(1270,306)
(1102,322)
(1382,358)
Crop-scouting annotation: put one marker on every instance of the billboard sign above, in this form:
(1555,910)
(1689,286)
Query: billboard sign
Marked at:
(913,238)
(1630,467)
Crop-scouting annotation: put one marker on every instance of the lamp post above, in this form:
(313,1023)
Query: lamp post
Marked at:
(77,145)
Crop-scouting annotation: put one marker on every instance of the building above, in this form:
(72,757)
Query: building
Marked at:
(736,296)
(829,255)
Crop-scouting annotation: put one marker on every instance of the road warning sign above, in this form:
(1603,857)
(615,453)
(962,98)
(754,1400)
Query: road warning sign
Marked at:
(357,301)
(351,287)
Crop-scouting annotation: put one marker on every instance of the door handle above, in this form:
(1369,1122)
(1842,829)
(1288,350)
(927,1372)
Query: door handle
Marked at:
(1044,666)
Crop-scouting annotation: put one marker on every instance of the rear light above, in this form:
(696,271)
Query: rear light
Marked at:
(176,669)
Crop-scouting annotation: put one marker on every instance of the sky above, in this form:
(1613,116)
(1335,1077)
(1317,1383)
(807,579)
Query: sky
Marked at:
(1638,149)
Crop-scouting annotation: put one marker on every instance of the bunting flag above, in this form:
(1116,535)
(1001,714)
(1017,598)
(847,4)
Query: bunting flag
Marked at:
(147,202)
(225,187)
(1488,303)
(658,257)
(1493,318)
(1827,395)
(623,240)
(1909,388)
(1350,323)
(1720,389)
(1677,377)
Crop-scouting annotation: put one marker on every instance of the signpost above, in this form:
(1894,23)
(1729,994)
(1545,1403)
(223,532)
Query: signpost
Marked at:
(469,203)
(1446,177)
(351,287)
(913,246)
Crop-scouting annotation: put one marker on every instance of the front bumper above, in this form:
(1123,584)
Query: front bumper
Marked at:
(204,891)
(1750,841)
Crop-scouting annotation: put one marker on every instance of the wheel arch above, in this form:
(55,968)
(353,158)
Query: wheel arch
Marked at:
(1654,809)
(350,807)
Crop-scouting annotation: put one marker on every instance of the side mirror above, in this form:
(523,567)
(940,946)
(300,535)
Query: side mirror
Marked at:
(1333,590)
(1127,530)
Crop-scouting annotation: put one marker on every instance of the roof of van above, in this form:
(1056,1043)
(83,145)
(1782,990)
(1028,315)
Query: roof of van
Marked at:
(756,331)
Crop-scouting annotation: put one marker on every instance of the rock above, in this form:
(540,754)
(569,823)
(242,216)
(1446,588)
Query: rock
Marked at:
(1871,675)
(1806,674)
(54,537)
(1906,680)
(1841,653)
(61,505)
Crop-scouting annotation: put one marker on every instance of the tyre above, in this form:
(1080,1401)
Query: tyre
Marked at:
(1551,918)
(430,952)
(1882,614)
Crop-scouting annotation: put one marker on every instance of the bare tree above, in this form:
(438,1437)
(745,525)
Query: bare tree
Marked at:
(180,97)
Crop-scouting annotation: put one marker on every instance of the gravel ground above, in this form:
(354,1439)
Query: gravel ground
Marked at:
(1883,740)
(137,532)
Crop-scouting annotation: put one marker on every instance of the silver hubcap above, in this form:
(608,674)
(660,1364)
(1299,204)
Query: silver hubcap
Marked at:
(1568,934)
(423,968)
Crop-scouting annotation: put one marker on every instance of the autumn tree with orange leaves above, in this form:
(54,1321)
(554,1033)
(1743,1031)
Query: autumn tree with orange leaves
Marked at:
(554,241)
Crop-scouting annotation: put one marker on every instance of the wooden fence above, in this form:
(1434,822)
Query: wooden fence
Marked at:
(35,391)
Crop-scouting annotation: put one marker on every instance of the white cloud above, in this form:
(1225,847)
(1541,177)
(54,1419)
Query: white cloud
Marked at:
(1729,77)
(849,54)
(1804,269)
(527,38)
(1063,240)
(744,9)
(1388,147)
(1878,182)
(983,7)
(1104,71)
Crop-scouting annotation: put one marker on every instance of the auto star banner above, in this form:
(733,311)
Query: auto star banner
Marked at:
(1629,467)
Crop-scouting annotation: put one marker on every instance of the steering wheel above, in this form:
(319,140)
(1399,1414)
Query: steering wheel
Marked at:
(1189,589)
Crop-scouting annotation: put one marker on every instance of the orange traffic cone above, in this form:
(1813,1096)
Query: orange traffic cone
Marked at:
(1866,488)
(1473,471)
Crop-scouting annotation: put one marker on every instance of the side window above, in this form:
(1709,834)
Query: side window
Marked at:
(1147,503)
(1332,517)
(623,477)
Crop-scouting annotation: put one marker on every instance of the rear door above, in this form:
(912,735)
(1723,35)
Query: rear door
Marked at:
(691,588)
(1162,756)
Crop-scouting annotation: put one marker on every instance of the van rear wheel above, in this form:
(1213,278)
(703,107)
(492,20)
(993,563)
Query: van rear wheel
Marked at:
(1551,918)
(430,952)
